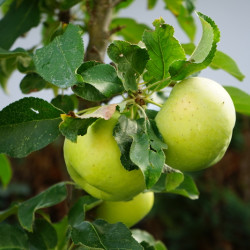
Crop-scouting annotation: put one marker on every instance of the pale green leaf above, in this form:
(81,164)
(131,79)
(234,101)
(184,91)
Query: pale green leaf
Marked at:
(5,170)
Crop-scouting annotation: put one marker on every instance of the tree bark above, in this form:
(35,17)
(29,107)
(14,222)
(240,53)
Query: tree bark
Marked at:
(98,28)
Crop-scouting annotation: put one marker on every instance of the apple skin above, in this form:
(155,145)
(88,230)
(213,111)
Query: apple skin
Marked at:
(94,164)
(127,212)
(196,123)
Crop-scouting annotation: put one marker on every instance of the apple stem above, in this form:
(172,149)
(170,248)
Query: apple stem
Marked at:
(152,102)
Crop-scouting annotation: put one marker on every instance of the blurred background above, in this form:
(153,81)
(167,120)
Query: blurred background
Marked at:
(220,219)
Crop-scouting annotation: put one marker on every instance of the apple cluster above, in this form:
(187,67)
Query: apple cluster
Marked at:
(196,123)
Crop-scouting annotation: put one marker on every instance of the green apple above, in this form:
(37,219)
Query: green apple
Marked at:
(94,164)
(196,123)
(127,212)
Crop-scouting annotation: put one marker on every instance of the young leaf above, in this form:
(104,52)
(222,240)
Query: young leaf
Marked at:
(163,50)
(202,55)
(130,30)
(5,170)
(13,237)
(58,61)
(131,61)
(240,99)
(28,125)
(225,62)
(8,212)
(47,198)
(11,27)
(101,235)
(32,83)
(74,125)
(43,236)
(77,212)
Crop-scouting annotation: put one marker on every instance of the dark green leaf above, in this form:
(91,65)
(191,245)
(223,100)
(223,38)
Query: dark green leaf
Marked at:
(225,62)
(67,4)
(47,198)
(74,125)
(130,30)
(240,99)
(163,50)
(13,237)
(43,236)
(77,212)
(101,235)
(5,170)
(64,102)
(58,61)
(104,78)
(11,27)
(151,4)
(131,61)
(28,125)
(202,55)
(32,83)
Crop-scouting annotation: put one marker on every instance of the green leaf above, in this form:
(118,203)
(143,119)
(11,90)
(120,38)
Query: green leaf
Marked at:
(5,170)
(7,66)
(74,125)
(50,197)
(101,235)
(32,83)
(174,181)
(123,4)
(144,237)
(187,188)
(240,99)
(131,61)
(62,229)
(163,50)
(14,53)
(151,4)
(183,15)
(104,78)
(225,62)
(28,125)
(130,30)
(11,27)
(43,236)
(8,212)
(140,147)
(64,102)
(202,55)
(13,237)
(77,212)
(58,61)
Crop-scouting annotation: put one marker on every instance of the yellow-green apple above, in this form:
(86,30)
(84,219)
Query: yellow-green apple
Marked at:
(127,212)
(94,164)
(196,123)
